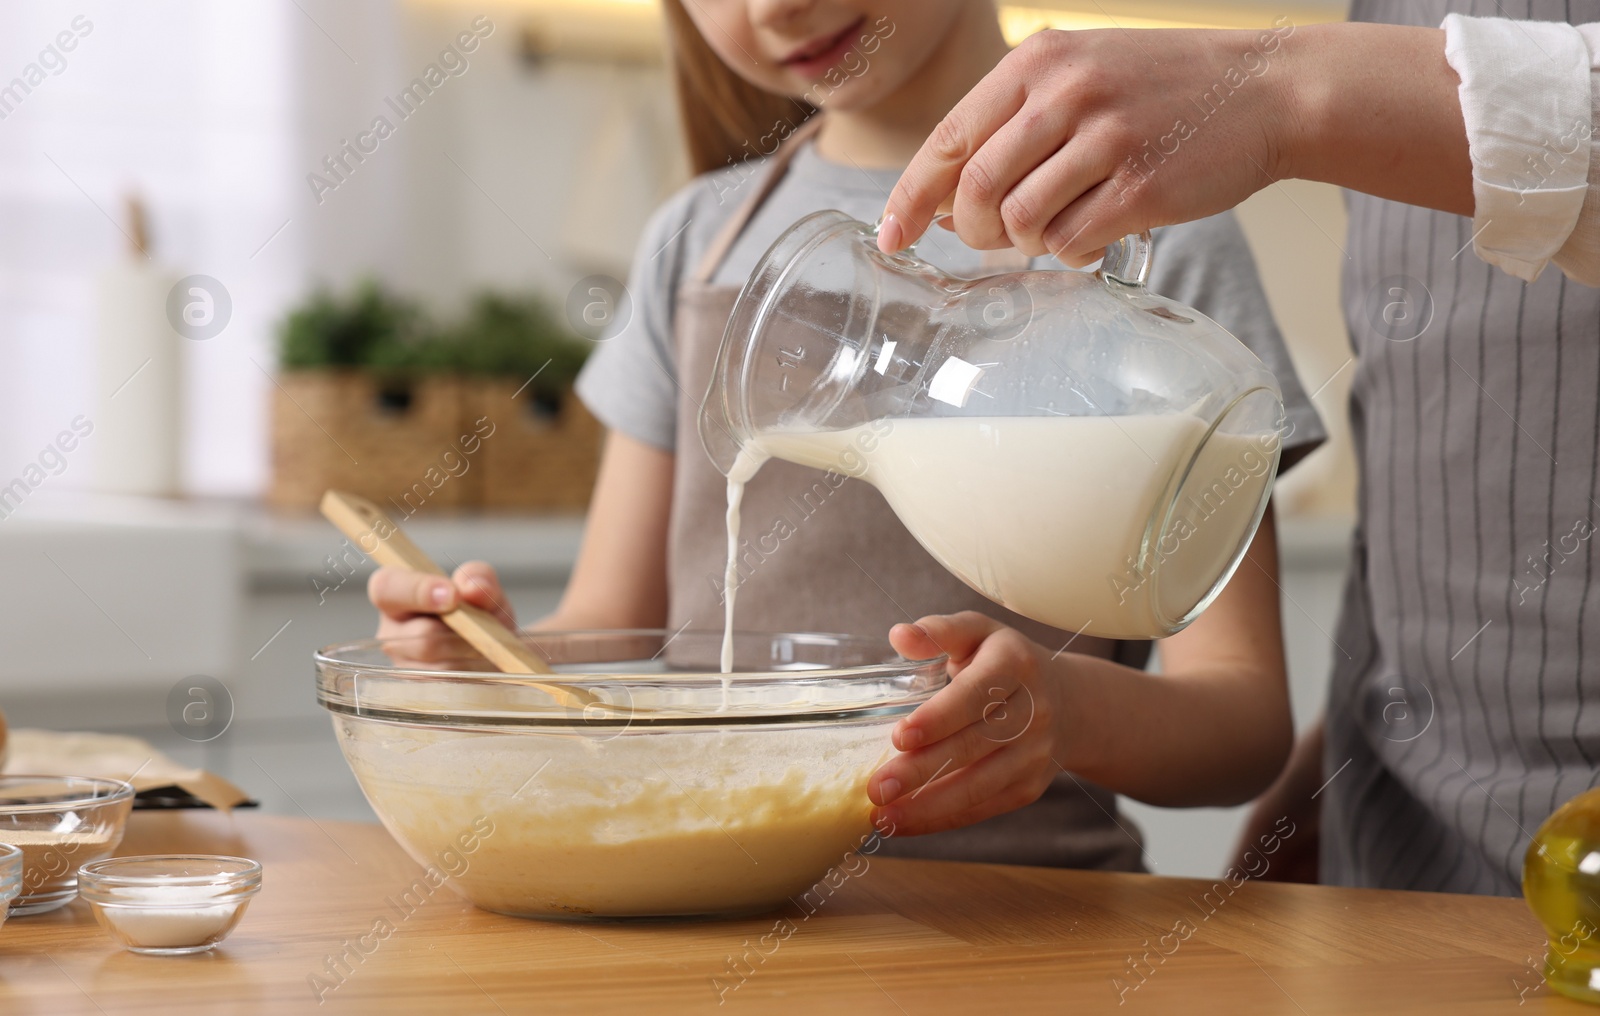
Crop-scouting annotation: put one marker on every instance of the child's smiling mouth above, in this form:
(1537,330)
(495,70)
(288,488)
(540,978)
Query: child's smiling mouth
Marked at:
(816,57)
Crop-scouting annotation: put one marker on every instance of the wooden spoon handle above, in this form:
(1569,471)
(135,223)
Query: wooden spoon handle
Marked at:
(386,543)
(370,529)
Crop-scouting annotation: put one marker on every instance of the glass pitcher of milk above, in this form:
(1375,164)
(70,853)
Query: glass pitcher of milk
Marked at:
(1069,444)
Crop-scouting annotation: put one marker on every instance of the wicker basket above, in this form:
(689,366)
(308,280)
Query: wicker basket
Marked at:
(540,457)
(434,444)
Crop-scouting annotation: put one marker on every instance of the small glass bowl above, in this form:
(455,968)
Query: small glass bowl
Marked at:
(10,877)
(169,904)
(60,822)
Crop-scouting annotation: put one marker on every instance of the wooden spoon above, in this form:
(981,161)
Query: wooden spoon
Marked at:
(386,543)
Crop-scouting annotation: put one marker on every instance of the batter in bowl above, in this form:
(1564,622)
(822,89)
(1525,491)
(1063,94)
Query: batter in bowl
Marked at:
(624,827)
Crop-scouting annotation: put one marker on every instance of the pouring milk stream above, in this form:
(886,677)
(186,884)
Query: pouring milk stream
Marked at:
(1070,445)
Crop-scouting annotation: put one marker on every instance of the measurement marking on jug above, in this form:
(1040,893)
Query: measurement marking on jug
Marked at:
(789,358)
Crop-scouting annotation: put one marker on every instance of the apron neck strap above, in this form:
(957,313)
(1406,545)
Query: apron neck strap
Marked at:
(777,165)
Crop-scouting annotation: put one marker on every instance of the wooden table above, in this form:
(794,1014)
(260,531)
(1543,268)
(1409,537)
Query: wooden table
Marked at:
(908,937)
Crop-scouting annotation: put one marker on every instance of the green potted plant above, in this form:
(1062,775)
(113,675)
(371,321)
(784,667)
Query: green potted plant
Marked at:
(377,397)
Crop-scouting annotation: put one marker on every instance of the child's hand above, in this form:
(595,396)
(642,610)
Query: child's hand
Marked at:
(410,603)
(982,746)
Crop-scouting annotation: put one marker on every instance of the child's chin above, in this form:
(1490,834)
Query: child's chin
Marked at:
(852,96)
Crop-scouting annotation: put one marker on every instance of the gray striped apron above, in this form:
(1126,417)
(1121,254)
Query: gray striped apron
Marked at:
(1467,658)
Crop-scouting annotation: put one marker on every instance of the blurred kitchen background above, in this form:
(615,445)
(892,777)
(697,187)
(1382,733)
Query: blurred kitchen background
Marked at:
(155,488)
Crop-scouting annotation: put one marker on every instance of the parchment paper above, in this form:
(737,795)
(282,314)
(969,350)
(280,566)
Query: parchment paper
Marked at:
(114,756)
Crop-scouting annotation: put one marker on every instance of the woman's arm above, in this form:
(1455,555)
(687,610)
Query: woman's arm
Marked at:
(620,578)
(1212,729)
(1377,109)
(1077,139)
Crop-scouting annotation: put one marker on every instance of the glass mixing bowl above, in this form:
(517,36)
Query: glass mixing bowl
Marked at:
(681,792)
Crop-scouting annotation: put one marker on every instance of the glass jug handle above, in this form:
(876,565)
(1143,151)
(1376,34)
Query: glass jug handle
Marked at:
(1128,260)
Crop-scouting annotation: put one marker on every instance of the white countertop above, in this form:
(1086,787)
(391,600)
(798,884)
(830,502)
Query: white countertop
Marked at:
(288,548)
(116,590)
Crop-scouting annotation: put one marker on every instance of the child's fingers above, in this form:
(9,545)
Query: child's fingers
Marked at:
(958,636)
(979,693)
(922,825)
(401,593)
(479,585)
(968,701)
(908,773)
(912,642)
(421,639)
(999,782)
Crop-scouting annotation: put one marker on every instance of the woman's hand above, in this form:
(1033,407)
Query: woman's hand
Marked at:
(409,604)
(984,744)
(1077,139)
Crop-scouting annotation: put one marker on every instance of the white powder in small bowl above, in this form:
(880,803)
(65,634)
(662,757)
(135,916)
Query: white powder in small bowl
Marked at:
(168,917)
(170,904)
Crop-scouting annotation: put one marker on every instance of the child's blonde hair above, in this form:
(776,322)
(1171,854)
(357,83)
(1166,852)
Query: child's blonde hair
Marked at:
(724,116)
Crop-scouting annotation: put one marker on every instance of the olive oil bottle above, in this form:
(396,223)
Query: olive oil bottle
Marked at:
(1561,881)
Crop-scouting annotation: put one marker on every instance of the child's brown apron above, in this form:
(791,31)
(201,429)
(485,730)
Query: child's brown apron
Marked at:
(836,559)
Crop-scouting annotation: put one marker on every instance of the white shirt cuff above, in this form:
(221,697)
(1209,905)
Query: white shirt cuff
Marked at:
(1525,97)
